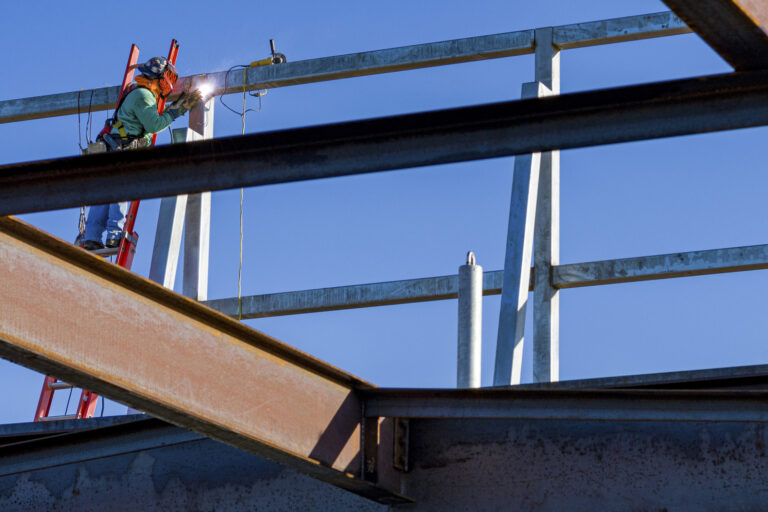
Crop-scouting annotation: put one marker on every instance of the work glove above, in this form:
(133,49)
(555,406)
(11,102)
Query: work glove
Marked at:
(184,102)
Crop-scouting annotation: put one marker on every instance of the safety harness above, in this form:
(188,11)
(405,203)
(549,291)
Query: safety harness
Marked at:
(114,122)
(161,87)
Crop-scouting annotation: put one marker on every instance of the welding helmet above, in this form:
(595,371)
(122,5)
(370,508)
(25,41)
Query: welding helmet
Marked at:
(158,68)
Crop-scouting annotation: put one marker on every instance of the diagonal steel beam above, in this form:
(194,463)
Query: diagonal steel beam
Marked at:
(441,53)
(698,105)
(67,313)
(736,29)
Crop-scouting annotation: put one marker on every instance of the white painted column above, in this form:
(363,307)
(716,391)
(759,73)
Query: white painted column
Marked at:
(517,260)
(470,324)
(546,299)
(170,225)
(197,232)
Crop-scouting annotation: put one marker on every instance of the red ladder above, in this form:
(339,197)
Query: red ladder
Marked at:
(86,407)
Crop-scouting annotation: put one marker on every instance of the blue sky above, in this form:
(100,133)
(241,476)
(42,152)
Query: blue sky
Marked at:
(686,193)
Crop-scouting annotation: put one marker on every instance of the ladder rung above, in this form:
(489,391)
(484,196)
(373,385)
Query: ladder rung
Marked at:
(57,418)
(106,252)
(60,385)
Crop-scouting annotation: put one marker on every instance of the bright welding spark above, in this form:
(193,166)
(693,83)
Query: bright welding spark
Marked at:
(205,89)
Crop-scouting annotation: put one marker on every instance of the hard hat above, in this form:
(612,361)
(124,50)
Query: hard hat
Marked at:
(155,67)
(159,68)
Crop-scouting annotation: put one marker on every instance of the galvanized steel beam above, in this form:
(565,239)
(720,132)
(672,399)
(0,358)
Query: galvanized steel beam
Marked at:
(517,259)
(699,105)
(470,331)
(441,53)
(546,239)
(407,291)
(572,275)
(663,266)
(170,226)
(569,404)
(734,29)
(197,221)
(136,342)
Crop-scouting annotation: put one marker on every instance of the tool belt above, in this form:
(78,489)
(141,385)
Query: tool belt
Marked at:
(116,142)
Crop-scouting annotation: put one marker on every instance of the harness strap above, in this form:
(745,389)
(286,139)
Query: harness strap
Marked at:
(115,121)
(121,129)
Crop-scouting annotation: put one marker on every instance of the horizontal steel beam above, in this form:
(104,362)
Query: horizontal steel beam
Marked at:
(733,377)
(89,444)
(736,29)
(365,63)
(623,114)
(663,266)
(559,404)
(349,297)
(572,275)
(70,314)
(11,432)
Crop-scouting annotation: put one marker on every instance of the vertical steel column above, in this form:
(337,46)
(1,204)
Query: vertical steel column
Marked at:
(170,224)
(517,260)
(546,299)
(470,324)
(198,216)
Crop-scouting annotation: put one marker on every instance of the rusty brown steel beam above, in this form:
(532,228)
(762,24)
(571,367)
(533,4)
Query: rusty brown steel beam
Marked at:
(70,314)
(736,29)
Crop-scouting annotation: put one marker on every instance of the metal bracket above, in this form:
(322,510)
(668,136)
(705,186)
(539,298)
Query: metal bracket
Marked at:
(401,444)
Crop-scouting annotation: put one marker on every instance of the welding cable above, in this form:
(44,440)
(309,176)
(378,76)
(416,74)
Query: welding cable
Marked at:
(257,94)
(242,114)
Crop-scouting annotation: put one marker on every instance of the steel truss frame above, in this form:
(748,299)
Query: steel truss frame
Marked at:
(322,421)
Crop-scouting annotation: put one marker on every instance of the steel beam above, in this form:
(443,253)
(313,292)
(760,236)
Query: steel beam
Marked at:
(546,247)
(470,332)
(170,226)
(517,259)
(165,253)
(350,297)
(365,63)
(733,377)
(88,444)
(197,233)
(14,432)
(572,275)
(132,340)
(736,29)
(698,105)
(569,404)
(663,266)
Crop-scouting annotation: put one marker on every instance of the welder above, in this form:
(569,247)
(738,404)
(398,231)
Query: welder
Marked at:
(135,122)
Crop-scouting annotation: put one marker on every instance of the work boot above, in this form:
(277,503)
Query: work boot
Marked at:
(112,243)
(92,245)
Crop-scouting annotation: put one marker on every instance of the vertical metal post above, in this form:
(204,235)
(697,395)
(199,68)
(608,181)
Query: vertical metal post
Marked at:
(470,324)
(198,216)
(170,224)
(546,299)
(517,260)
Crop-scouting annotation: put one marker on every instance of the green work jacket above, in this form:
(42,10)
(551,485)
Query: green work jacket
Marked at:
(139,116)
